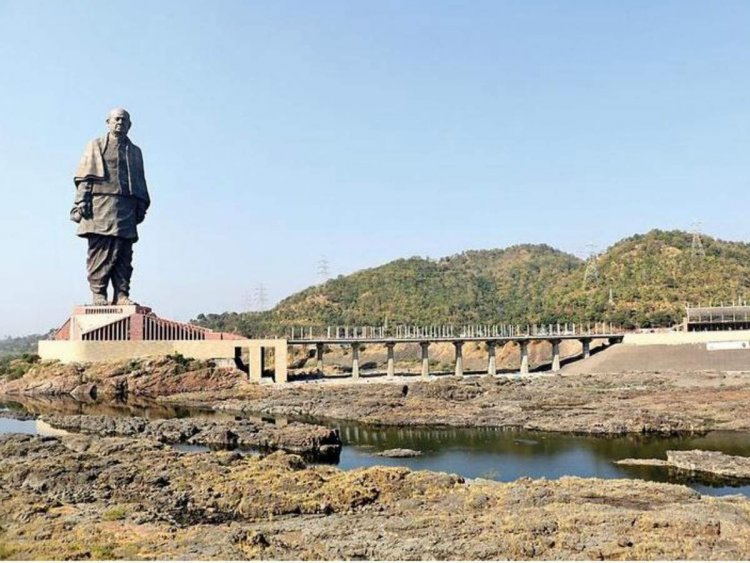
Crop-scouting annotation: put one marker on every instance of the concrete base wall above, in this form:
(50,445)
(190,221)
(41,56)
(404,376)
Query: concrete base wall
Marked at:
(681,358)
(68,351)
(679,338)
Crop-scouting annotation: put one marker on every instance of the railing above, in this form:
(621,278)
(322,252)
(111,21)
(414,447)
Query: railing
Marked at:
(155,328)
(438,332)
(118,330)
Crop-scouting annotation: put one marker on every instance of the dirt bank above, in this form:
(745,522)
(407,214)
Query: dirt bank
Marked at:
(683,358)
(76,498)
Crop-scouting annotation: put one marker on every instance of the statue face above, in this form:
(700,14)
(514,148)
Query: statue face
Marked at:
(118,122)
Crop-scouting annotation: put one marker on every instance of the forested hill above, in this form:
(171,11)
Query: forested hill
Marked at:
(650,277)
(14,346)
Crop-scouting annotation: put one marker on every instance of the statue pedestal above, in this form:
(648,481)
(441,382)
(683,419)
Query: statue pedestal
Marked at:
(122,332)
(103,322)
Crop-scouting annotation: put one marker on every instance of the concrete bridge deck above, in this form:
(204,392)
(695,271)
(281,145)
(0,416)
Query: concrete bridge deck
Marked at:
(493,336)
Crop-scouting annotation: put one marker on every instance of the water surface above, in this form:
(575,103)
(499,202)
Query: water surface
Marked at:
(503,455)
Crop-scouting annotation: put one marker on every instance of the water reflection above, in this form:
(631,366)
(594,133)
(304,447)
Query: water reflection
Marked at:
(33,426)
(67,405)
(506,455)
(503,455)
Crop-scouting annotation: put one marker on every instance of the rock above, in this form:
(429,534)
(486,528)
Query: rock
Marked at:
(312,441)
(84,392)
(699,461)
(643,462)
(716,463)
(399,452)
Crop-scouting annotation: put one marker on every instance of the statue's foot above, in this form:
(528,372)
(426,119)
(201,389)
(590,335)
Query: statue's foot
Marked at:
(100,299)
(123,299)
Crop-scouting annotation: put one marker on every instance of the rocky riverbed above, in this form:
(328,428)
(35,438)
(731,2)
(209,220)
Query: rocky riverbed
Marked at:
(607,404)
(312,441)
(635,402)
(79,497)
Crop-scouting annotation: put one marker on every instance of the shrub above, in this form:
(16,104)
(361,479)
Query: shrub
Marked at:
(118,512)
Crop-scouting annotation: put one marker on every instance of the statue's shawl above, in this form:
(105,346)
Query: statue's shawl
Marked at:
(92,168)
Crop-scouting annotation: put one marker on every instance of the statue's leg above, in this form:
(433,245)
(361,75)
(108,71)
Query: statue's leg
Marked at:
(99,265)
(122,271)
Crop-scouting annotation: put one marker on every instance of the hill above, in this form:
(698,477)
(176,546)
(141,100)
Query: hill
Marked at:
(15,346)
(650,278)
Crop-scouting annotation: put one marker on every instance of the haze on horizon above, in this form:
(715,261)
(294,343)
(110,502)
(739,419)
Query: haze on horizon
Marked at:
(275,133)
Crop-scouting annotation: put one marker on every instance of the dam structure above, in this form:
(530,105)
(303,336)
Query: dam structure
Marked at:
(494,336)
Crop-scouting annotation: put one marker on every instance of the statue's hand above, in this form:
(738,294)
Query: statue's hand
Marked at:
(87,209)
(75,215)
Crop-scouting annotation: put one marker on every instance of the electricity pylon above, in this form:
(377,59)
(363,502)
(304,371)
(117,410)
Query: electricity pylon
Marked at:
(323,270)
(591,274)
(260,297)
(696,247)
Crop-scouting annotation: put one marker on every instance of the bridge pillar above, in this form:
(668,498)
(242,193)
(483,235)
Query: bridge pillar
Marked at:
(319,357)
(459,358)
(586,344)
(555,355)
(355,360)
(491,358)
(425,359)
(280,363)
(390,371)
(524,345)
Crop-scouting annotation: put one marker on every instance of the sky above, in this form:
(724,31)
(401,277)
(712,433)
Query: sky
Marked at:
(279,133)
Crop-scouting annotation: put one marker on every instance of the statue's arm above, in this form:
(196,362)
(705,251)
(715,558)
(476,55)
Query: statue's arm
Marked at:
(140,212)
(88,167)
(143,202)
(82,205)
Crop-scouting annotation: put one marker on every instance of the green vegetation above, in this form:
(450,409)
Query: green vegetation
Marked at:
(117,512)
(14,367)
(650,276)
(18,345)
(181,362)
(103,552)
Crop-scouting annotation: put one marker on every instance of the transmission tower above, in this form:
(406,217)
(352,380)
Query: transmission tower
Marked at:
(260,297)
(323,270)
(696,247)
(591,274)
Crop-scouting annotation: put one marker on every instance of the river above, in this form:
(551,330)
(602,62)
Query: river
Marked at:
(503,455)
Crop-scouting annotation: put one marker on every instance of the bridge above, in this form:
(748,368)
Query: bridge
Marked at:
(492,335)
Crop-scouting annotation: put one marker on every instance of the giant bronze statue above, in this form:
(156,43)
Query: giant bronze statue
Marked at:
(111,201)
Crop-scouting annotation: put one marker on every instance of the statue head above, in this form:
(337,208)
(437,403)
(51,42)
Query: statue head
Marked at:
(118,121)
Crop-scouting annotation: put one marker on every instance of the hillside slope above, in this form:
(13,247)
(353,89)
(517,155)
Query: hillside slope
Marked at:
(649,278)
(471,287)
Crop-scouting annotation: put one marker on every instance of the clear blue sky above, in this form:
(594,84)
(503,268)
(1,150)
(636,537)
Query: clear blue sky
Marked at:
(276,132)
